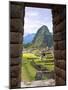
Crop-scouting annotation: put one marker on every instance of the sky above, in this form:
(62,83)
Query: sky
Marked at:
(35,18)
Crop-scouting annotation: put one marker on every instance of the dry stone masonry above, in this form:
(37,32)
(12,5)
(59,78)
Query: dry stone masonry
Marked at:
(16,34)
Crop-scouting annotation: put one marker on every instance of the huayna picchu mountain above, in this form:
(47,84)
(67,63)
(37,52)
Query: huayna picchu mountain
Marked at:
(43,38)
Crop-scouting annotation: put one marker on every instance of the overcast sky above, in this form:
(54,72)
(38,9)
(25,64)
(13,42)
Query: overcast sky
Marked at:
(35,18)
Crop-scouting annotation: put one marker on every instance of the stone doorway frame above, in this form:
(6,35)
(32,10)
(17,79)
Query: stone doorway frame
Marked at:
(17,11)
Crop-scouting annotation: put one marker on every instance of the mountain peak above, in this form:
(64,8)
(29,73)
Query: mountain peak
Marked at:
(44,26)
(43,37)
(43,29)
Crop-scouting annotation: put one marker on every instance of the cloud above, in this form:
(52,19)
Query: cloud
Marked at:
(35,18)
(30,14)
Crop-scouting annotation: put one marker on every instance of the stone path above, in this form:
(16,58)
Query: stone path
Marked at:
(50,82)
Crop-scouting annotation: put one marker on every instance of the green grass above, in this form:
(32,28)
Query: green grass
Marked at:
(29,56)
(28,71)
(49,66)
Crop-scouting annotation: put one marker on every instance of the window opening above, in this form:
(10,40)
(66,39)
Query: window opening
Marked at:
(38,51)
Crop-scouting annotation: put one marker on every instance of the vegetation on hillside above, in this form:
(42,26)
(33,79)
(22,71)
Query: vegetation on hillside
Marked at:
(33,61)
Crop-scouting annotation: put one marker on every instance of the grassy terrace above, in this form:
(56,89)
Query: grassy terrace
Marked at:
(29,71)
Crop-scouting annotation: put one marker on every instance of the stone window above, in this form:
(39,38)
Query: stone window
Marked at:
(17,11)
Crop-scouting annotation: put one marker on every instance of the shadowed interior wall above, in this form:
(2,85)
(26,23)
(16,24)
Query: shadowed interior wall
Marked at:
(16,34)
(59,28)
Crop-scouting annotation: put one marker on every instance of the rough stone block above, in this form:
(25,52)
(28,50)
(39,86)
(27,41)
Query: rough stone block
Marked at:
(60,27)
(14,83)
(16,37)
(59,36)
(62,45)
(15,11)
(15,61)
(15,50)
(61,64)
(16,25)
(60,81)
(55,45)
(60,72)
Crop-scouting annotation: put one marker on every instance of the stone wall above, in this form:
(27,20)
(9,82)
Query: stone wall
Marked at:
(16,36)
(59,28)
